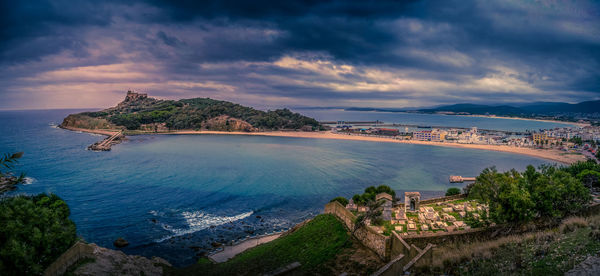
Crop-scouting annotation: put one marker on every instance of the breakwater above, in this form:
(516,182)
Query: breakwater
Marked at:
(105,144)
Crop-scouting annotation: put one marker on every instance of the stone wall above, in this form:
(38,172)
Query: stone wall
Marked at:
(72,255)
(442,199)
(462,236)
(373,240)
(342,213)
(379,243)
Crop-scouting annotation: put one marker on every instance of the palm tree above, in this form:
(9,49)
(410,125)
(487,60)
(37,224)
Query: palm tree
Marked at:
(7,180)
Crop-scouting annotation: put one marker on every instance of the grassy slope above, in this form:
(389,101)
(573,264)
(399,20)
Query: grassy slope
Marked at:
(551,252)
(313,245)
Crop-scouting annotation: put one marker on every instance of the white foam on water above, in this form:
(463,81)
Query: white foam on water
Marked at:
(29,180)
(154,213)
(199,220)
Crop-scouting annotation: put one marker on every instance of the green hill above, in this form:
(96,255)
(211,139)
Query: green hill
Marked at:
(140,112)
(322,247)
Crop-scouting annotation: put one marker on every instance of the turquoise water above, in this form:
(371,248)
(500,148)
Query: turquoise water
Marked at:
(430,119)
(169,194)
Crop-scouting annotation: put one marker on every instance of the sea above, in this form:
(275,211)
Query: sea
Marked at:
(175,196)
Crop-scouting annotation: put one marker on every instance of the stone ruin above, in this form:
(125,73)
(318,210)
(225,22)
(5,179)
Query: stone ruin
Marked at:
(411,201)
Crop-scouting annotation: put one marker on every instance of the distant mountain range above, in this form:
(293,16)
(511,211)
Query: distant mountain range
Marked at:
(532,109)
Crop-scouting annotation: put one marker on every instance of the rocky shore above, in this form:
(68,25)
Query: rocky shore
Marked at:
(114,262)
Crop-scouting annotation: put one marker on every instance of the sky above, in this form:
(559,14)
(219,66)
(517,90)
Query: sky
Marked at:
(273,54)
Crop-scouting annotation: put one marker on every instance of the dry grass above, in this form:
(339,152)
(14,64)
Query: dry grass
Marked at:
(455,254)
(450,258)
(593,222)
(572,223)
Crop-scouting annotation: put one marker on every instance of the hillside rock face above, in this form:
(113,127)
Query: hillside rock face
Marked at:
(226,123)
(113,262)
(82,121)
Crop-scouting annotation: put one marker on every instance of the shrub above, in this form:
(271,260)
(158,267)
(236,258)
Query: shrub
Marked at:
(571,224)
(452,191)
(516,197)
(341,200)
(34,231)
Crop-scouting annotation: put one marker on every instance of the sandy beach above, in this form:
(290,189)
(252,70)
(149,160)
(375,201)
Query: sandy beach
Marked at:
(548,154)
(554,155)
(231,251)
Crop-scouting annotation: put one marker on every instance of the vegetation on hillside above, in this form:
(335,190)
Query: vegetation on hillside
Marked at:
(342,200)
(371,192)
(452,191)
(192,114)
(550,252)
(548,193)
(313,245)
(34,231)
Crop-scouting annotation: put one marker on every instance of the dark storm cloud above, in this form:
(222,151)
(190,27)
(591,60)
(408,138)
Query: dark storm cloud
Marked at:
(306,52)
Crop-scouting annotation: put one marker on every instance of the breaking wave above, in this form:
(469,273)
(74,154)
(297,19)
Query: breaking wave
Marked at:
(199,220)
(29,180)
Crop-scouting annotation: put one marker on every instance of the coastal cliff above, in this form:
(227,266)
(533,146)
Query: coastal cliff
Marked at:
(142,113)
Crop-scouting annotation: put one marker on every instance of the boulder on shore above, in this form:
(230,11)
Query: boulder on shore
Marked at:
(115,262)
(120,242)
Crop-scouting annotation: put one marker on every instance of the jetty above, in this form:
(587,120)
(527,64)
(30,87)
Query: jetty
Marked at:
(105,144)
(460,179)
(351,122)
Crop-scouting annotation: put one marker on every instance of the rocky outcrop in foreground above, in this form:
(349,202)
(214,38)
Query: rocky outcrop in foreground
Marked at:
(591,266)
(113,262)
(8,184)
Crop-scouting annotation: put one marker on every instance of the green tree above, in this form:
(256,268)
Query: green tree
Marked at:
(576,168)
(513,205)
(386,189)
(341,200)
(577,140)
(550,192)
(34,231)
(452,191)
(589,178)
(558,194)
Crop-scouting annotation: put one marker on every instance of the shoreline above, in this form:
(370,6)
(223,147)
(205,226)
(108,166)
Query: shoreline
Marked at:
(230,251)
(553,155)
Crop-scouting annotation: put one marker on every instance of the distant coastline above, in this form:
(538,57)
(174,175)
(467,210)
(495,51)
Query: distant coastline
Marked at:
(548,154)
(524,119)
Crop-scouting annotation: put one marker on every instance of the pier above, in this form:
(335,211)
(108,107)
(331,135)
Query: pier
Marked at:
(460,179)
(351,122)
(105,144)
